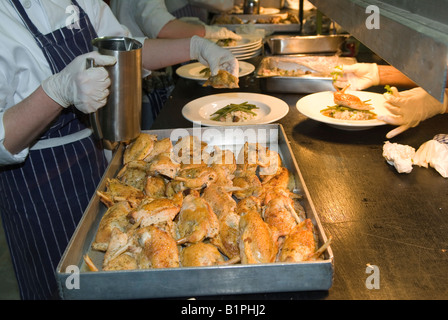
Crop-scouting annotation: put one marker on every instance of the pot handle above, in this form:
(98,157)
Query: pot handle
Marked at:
(94,121)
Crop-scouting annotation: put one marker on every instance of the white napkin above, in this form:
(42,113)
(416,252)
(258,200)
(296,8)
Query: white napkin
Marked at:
(435,153)
(399,155)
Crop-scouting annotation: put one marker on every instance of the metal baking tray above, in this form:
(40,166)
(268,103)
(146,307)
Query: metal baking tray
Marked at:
(284,44)
(250,19)
(76,282)
(312,73)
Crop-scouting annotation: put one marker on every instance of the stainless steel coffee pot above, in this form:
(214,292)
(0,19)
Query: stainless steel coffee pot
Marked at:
(120,119)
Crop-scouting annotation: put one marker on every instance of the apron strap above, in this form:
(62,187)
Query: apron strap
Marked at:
(59,56)
(25,19)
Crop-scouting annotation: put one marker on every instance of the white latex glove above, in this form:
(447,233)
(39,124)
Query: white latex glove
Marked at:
(212,55)
(409,107)
(215,32)
(360,76)
(86,89)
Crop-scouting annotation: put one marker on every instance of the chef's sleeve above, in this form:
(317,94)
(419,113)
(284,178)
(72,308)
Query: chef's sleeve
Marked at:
(6,96)
(151,16)
(107,25)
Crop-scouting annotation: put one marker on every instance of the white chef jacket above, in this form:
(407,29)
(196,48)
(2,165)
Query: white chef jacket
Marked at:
(142,17)
(23,66)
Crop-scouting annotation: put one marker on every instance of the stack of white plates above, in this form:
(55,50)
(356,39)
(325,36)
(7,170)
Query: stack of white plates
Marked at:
(246,48)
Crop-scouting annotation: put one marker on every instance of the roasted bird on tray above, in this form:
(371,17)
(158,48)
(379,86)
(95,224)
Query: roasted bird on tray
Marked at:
(182,205)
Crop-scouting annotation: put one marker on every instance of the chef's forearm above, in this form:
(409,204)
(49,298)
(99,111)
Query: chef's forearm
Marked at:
(175,29)
(25,122)
(160,53)
(392,76)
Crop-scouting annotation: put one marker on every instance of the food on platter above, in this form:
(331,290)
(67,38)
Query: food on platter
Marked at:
(279,20)
(235,113)
(223,79)
(349,107)
(265,19)
(226,42)
(346,113)
(266,72)
(211,208)
(206,72)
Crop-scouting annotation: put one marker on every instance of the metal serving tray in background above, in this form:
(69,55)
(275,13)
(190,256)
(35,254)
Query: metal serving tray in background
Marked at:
(314,78)
(284,44)
(194,281)
(250,19)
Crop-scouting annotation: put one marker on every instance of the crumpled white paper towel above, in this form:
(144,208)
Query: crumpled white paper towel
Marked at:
(435,153)
(399,155)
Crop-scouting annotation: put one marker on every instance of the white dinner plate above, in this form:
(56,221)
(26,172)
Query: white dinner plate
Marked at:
(192,71)
(270,108)
(312,104)
(269,10)
(248,49)
(246,41)
(246,56)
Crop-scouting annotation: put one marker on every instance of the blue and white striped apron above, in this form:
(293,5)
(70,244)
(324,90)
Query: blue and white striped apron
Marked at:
(43,199)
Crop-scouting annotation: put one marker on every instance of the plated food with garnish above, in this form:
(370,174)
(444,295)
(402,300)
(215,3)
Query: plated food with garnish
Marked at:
(198,71)
(223,79)
(344,109)
(235,108)
(235,112)
(349,107)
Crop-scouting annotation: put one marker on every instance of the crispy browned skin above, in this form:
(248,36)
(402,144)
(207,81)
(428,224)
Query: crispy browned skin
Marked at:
(117,191)
(300,244)
(219,199)
(159,247)
(348,100)
(154,211)
(196,220)
(115,217)
(228,235)
(201,254)
(116,256)
(165,213)
(155,187)
(222,80)
(140,148)
(258,241)
(279,212)
(163,164)
(247,204)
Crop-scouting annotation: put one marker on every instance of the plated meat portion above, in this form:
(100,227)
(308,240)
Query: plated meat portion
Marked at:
(350,101)
(349,107)
(184,206)
(223,79)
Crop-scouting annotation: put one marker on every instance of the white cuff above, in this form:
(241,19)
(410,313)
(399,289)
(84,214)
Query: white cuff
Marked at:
(7,157)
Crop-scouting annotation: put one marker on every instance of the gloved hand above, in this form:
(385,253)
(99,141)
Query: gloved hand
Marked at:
(215,32)
(410,107)
(209,53)
(86,89)
(360,76)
